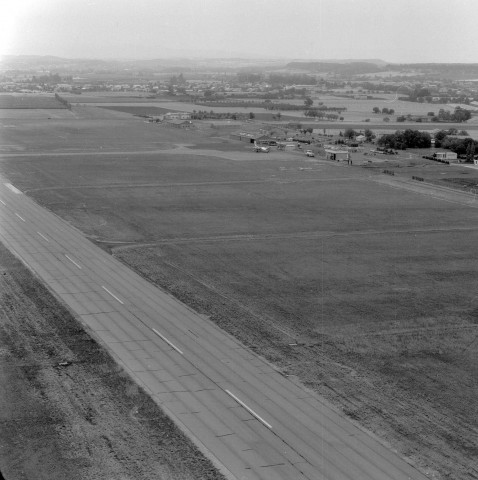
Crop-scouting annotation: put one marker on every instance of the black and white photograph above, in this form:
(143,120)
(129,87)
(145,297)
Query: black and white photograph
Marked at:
(237,240)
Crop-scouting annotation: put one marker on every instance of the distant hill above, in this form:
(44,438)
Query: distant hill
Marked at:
(445,70)
(165,65)
(375,61)
(352,68)
(35,60)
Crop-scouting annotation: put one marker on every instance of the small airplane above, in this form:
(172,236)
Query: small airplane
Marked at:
(259,149)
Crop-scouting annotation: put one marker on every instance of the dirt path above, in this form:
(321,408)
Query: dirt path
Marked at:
(118,246)
(67,410)
(436,191)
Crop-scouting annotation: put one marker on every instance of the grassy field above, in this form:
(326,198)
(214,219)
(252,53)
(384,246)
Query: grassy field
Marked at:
(86,129)
(375,284)
(30,102)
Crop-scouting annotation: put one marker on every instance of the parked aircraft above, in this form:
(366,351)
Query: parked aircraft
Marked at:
(259,149)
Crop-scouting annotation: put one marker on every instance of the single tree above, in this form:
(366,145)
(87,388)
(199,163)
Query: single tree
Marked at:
(349,133)
(369,136)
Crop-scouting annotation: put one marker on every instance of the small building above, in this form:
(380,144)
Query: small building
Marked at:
(177,116)
(266,140)
(446,156)
(286,146)
(337,155)
(244,137)
(179,123)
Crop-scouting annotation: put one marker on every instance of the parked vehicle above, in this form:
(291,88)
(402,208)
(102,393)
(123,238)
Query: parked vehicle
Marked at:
(309,153)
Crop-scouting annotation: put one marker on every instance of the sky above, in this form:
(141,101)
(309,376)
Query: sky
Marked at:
(400,31)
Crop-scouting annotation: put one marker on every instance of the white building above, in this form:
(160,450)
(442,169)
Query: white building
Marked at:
(446,155)
(337,155)
(177,116)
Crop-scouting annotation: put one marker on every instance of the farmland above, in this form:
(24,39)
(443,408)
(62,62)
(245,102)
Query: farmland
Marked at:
(356,110)
(364,290)
(139,110)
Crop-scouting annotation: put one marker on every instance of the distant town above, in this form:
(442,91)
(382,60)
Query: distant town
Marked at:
(217,81)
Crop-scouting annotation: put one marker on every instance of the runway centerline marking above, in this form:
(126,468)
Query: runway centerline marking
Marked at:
(73,262)
(112,294)
(2,202)
(43,236)
(171,344)
(21,218)
(240,402)
(12,188)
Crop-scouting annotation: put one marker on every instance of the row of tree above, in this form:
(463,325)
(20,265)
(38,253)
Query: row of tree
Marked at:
(465,147)
(461,146)
(49,79)
(386,111)
(204,115)
(458,116)
(446,139)
(316,113)
(62,100)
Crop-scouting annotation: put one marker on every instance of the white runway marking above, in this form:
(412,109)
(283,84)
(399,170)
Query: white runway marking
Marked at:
(249,409)
(167,341)
(12,188)
(2,202)
(74,263)
(43,236)
(21,218)
(112,294)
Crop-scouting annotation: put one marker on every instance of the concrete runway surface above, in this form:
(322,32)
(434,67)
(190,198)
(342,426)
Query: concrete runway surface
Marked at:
(253,422)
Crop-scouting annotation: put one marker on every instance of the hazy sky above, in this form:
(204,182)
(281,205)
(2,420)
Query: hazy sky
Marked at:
(392,30)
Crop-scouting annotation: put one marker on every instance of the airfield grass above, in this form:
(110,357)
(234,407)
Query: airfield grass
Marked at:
(375,285)
(30,102)
(87,129)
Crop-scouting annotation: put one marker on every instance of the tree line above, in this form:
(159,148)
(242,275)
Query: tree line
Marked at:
(403,139)
(461,146)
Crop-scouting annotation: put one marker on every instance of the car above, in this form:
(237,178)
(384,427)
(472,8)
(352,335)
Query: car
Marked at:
(309,153)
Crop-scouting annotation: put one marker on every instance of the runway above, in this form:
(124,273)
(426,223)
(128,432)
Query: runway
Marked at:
(253,422)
